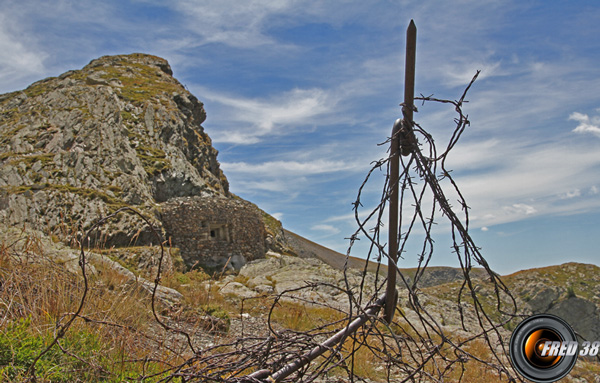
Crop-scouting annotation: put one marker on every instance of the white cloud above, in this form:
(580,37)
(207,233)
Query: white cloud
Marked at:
(520,209)
(572,194)
(19,59)
(341,218)
(288,168)
(247,24)
(586,124)
(234,23)
(326,229)
(460,74)
(274,186)
(530,180)
(248,120)
(287,178)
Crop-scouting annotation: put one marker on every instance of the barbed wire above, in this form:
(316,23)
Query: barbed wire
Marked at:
(414,347)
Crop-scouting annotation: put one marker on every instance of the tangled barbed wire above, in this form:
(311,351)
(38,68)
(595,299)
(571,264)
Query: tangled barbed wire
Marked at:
(430,345)
(355,343)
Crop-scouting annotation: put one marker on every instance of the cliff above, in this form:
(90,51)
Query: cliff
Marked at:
(122,131)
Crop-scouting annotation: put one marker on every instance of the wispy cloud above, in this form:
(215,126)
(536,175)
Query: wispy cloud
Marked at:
(572,194)
(287,179)
(461,73)
(587,124)
(19,58)
(289,168)
(326,229)
(520,209)
(542,180)
(249,24)
(230,22)
(249,120)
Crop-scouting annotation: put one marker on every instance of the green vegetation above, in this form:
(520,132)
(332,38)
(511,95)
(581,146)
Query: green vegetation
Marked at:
(20,343)
(128,117)
(140,82)
(577,278)
(272,225)
(218,312)
(30,160)
(571,292)
(299,317)
(154,160)
(39,87)
(103,348)
(12,129)
(9,117)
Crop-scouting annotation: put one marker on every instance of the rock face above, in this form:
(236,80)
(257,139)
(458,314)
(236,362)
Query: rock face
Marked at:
(119,132)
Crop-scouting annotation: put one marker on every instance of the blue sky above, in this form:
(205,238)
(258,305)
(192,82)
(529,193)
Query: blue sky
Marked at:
(299,93)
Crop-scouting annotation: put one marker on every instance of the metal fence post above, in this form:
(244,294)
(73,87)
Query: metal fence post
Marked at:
(402,142)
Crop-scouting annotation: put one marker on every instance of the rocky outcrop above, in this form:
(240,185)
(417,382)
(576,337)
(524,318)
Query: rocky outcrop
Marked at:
(306,279)
(570,291)
(119,132)
(582,314)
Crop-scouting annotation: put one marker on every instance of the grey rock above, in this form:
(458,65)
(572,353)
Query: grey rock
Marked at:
(237,289)
(544,299)
(581,314)
(302,278)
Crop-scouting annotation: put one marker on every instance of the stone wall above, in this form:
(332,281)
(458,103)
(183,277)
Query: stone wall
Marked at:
(214,231)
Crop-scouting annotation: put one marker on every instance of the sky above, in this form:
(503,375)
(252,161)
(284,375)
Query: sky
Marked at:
(299,95)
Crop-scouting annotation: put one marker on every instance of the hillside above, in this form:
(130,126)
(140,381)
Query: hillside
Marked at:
(570,291)
(431,276)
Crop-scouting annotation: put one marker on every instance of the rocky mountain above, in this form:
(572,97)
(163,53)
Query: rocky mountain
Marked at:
(123,131)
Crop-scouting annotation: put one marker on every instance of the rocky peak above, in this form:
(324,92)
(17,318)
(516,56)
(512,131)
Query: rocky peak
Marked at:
(122,131)
(132,59)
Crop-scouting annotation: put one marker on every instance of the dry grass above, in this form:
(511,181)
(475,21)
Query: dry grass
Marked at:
(121,340)
(298,317)
(115,339)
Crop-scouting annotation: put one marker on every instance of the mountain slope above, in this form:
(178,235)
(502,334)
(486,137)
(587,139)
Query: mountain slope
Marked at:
(432,276)
(119,132)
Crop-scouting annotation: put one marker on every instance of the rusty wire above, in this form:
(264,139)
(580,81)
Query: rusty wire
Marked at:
(429,352)
(415,347)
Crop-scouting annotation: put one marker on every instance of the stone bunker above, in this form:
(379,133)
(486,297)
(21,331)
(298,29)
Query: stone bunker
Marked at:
(215,231)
